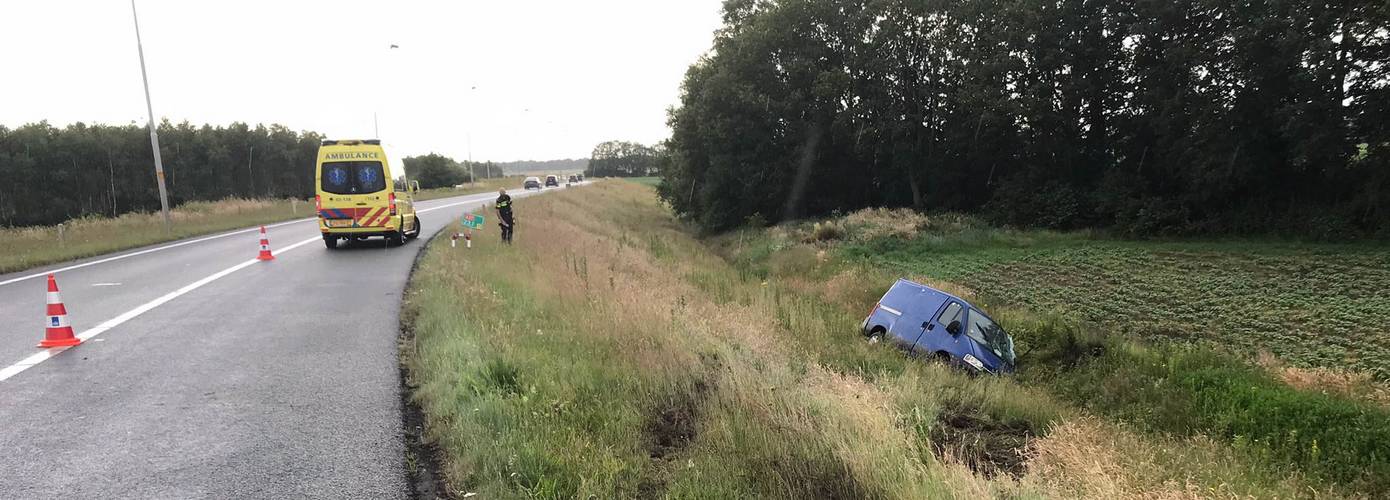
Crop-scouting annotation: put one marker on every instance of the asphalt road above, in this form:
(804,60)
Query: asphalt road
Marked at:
(273,379)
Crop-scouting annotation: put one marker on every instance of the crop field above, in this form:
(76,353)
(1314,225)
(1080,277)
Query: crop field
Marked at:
(1312,305)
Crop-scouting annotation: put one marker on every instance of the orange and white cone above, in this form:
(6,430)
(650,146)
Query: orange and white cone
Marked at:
(58,332)
(265,247)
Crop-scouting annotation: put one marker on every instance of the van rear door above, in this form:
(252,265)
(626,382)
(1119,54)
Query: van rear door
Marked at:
(906,299)
(352,190)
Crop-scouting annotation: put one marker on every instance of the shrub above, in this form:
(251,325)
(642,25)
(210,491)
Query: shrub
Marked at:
(826,231)
(874,223)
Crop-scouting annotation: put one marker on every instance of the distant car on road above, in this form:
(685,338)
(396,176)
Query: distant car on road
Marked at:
(933,324)
(581,177)
(574,179)
(531,183)
(551,180)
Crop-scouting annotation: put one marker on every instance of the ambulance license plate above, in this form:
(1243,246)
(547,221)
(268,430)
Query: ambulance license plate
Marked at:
(339,222)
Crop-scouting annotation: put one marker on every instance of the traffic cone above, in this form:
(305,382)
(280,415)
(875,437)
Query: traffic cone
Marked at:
(58,332)
(265,247)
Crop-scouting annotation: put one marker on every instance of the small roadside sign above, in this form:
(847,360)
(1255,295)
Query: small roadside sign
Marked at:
(473,221)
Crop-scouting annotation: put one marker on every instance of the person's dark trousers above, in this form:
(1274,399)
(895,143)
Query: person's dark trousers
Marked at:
(507,227)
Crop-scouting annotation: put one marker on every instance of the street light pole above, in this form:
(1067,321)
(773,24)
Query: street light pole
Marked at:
(472,89)
(154,134)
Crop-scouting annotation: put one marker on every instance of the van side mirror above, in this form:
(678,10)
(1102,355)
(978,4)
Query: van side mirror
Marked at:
(953,328)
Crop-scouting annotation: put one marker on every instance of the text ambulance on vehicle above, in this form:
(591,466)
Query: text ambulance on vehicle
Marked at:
(357,196)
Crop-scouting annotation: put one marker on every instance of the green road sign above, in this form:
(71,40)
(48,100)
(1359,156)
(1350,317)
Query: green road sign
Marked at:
(473,221)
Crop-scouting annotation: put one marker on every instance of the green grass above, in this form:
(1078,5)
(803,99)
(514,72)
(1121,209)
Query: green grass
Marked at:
(1158,335)
(611,354)
(578,363)
(645,181)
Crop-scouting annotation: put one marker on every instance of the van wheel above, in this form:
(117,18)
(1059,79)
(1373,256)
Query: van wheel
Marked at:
(942,357)
(876,335)
(396,239)
(416,233)
(330,241)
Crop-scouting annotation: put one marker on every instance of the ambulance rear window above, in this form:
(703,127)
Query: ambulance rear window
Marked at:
(353,177)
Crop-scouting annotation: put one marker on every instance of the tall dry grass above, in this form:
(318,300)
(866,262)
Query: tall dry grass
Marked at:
(26,247)
(610,354)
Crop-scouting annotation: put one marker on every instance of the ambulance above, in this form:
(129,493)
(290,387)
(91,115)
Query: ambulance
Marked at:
(357,196)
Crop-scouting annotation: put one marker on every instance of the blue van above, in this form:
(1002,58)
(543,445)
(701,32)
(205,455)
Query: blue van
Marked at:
(934,324)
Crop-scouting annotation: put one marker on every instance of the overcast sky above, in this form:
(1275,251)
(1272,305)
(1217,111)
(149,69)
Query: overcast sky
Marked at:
(525,79)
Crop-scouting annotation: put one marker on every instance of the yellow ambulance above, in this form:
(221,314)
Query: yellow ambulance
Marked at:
(357,196)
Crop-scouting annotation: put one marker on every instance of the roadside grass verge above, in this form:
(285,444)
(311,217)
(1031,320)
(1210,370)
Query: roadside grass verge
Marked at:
(27,247)
(482,186)
(1327,424)
(610,353)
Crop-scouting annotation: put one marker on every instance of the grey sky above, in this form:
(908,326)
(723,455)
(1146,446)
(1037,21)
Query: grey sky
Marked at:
(552,77)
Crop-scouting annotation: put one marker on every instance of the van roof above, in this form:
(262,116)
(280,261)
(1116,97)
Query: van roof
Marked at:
(350,142)
(948,295)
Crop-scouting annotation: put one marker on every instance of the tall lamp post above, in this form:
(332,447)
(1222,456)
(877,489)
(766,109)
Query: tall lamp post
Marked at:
(471,178)
(154,134)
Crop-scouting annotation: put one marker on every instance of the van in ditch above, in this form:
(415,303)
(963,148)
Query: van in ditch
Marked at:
(358,197)
(933,324)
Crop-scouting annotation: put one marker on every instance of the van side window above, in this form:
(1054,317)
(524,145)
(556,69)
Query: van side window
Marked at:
(952,313)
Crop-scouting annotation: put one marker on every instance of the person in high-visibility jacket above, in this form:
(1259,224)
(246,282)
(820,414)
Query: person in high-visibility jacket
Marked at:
(504,215)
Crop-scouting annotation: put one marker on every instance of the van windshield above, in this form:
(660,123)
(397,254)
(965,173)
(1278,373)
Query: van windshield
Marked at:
(991,336)
(353,177)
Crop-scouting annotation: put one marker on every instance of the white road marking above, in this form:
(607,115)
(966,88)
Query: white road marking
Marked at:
(47,354)
(89,334)
(106,284)
(189,242)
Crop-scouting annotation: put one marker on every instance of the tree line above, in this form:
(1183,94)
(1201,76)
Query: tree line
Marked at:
(54,174)
(1150,117)
(438,171)
(624,159)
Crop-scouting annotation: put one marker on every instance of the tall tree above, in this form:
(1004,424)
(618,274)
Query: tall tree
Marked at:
(1145,115)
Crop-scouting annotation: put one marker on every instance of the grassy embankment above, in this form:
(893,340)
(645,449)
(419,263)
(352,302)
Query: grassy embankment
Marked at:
(611,353)
(26,247)
(1271,348)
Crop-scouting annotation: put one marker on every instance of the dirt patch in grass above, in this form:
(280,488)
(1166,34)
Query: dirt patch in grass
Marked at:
(988,447)
(672,427)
